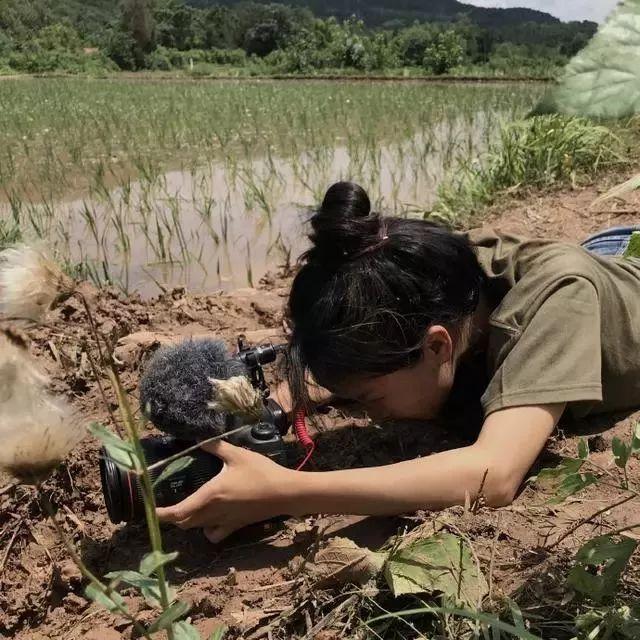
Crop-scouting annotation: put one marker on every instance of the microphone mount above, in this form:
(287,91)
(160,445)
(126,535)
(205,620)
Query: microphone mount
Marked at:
(254,358)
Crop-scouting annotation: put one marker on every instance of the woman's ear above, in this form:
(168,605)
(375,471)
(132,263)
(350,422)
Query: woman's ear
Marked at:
(438,344)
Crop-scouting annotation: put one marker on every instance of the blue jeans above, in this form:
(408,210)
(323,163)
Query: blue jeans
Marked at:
(611,242)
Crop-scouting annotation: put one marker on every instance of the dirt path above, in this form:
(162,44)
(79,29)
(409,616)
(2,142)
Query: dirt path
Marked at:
(245,582)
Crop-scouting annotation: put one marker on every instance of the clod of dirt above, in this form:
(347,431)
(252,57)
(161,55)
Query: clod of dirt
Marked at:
(269,308)
(102,633)
(342,561)
(597,444)
(68,574)
(328,635)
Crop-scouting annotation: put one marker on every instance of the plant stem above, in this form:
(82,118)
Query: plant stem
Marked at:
(628,527)
(195,447)
(153,524)
(96,375)
(584,521)
(103,361)
(86,572)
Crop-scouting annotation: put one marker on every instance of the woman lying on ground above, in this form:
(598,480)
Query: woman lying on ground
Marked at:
(396,314)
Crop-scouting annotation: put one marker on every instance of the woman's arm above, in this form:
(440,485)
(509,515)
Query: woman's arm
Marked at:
(252,487)
(508,445)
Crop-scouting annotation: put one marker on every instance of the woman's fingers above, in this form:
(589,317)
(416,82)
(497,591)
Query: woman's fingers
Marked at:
(201,518)
(222,449)
(187,510)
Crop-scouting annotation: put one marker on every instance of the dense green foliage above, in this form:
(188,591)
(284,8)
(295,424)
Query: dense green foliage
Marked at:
(260,38)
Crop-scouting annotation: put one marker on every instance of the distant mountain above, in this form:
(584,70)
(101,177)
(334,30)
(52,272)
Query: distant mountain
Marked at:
(402,12)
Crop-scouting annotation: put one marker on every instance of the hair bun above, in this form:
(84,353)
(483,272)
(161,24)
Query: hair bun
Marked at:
(344,225)
(346,199)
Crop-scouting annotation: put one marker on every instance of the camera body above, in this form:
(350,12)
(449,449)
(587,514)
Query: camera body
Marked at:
(121,488)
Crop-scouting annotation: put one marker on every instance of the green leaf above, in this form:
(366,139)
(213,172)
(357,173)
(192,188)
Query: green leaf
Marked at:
(599,565)
(571,485)
(111,601)
(132,578)
(630,622)
(155,559)
(149,587)
(621,452)
(516,614)
(185,631)
(122,452)
(635,441)
(172,468)
(109,438)
(219,633)
(551,477)
(633,248)
(583,449)
(565,479)
(603,80)
(441,563)
(169,616)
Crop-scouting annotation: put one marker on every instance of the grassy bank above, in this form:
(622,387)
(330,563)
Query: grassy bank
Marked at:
(538,153)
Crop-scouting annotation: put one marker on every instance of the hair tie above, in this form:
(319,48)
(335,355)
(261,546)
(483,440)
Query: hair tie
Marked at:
(384,238)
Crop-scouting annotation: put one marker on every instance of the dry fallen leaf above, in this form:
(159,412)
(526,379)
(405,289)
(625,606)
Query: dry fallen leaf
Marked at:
(342,561)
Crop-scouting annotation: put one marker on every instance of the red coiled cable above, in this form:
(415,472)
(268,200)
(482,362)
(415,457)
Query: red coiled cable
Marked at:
(302,433)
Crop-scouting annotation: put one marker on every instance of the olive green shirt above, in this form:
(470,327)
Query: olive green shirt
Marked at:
(565,325)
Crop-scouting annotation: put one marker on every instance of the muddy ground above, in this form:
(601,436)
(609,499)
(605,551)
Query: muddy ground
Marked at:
(249,581)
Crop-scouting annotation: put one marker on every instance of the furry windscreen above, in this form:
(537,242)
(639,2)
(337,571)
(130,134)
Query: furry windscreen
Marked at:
(175,390)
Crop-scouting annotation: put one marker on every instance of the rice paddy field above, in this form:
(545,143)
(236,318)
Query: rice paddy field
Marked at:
(154,184)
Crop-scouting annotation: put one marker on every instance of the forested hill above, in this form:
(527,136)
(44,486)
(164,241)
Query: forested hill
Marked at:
(397,13)
(259,37)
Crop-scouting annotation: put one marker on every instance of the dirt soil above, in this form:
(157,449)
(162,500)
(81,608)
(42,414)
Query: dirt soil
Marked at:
(249,582)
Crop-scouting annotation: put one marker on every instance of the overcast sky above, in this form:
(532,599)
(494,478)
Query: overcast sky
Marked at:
(564,9)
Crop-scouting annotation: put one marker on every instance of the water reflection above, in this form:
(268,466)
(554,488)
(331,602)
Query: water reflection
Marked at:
(224,225)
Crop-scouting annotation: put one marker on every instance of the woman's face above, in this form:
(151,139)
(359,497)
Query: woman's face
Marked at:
(413,393)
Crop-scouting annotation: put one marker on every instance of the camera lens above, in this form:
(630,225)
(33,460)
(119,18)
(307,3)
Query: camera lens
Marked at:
(122,491)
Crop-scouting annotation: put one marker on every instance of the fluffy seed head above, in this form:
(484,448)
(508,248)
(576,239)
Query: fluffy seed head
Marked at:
(30,283)
(20,379)
(36,430)
(236,395)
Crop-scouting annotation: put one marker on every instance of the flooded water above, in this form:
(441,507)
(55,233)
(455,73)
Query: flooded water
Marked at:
(223,226)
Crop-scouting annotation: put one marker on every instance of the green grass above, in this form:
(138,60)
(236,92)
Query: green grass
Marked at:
(539,152)
(53,132)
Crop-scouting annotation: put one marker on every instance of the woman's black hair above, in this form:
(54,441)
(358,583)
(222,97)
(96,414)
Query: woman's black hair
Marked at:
(369,288)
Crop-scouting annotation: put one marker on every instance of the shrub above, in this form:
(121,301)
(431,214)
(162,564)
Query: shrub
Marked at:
(444,52)
(159,60)
(121,48)
(37,60)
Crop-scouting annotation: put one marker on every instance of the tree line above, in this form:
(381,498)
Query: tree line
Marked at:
(71,35)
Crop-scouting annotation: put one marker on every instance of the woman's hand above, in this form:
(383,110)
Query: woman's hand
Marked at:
(250,488)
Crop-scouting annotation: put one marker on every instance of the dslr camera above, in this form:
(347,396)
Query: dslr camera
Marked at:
(121,488)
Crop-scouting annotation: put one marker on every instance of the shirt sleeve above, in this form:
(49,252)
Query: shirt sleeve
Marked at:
(556,358)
